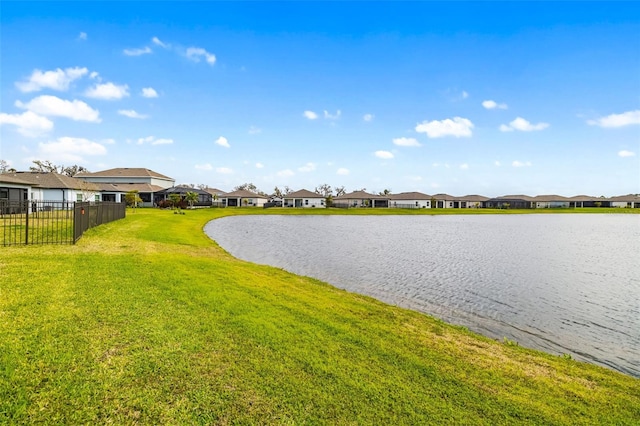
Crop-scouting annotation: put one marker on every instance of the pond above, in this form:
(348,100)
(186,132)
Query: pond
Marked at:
(561,283)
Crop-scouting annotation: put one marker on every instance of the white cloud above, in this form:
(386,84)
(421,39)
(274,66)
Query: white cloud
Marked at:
(522,125)
(158,42)
(108,91)
(57,79)
(151,140)
(464,166)
(625,153)
(406,142)
(259,165)
(204,166)
(342,171)
(465,95)
(517,163)
(617,120)
(94,75)
(70,149)
(132,114)
(385,155)
(368,117)
(222,141)
(310,115)
(253,130)
(196,53)
(335,116)
(497,163)
(224,170)
(285,173)
(82,36)
(149,92)
(53,106)
(489,104)
(28,123)
(457,127)
(137,52)
(309,167)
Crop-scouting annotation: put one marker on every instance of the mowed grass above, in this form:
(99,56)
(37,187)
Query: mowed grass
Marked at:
(147,321)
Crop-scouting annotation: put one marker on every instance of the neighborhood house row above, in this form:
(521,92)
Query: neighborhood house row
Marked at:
(154,188)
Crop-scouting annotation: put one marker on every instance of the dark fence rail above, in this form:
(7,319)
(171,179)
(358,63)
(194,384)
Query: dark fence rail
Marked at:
(52,222)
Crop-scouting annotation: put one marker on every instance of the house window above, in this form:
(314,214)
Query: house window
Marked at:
(306,202)
(417,204)
(4,193)
(322,202)
(450,204)
(79,198)
(97,197)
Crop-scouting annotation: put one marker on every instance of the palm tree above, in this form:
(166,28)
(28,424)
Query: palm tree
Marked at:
(175,200)
(191,197)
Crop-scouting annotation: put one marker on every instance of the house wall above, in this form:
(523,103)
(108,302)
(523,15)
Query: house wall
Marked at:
(552,204)
(313,203)
(163,183)
(621,204)
(416,204)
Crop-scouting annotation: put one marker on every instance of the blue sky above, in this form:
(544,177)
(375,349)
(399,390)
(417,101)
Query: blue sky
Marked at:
(463,98)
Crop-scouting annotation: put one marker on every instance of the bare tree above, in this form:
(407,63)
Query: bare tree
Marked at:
(203,186)
(325,190)
(46,166)
(251,188)
(277,192)
(5,167)
(340,191)
(385,192)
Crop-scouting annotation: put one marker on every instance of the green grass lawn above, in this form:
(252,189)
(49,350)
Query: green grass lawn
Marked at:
(147,321)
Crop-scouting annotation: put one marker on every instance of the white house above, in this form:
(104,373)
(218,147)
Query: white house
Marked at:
(362,199)
(410,200)
(115,183)
(469,202)
(304,199)
(243,198)
(56,187)
(631,201)
(443,201)
(550,201)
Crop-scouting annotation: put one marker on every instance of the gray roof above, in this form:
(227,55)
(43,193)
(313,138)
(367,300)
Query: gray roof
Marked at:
(214,191)
(361,195)
(303,193)
(126,187)
(409,196)
(549,198)
(514,197)
(444,197)
(54,181)
(474,198)
(125,172)
(633,198)
(243,193)
(11,178)
(183,190)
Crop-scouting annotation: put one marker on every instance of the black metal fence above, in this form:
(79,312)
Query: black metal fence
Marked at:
(52,222)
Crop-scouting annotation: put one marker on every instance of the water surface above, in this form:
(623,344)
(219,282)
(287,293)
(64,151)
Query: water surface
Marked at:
(559,283)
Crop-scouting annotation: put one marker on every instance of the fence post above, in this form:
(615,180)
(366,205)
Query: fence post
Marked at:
(26,228)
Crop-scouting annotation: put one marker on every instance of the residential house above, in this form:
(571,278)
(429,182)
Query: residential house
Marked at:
(13,191)
(580,201)
(204,197)
(511,202)
(243,198)
(631,201)
(550,201)
(361,199)
(56,187)
(304,199)
(442,201)
(410,200)
(123,180)
(469,202)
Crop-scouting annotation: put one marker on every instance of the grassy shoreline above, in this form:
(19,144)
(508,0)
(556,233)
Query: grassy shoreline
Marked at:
(146,320)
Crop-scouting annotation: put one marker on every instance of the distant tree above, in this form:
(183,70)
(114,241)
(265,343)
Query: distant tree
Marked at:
(46,166)
(132,198)
(340,191)
(251,188)
(203,186)
(384,192)
(187,185)
(191,197)
(277,192)
(598,203)
(74,170)
(287,190)
(5,167)
(327,192)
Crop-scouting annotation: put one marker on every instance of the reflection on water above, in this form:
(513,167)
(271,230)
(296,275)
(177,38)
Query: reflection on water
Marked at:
(560,283)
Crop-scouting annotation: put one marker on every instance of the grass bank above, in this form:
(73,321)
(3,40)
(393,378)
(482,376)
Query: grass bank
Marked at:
(147,321)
